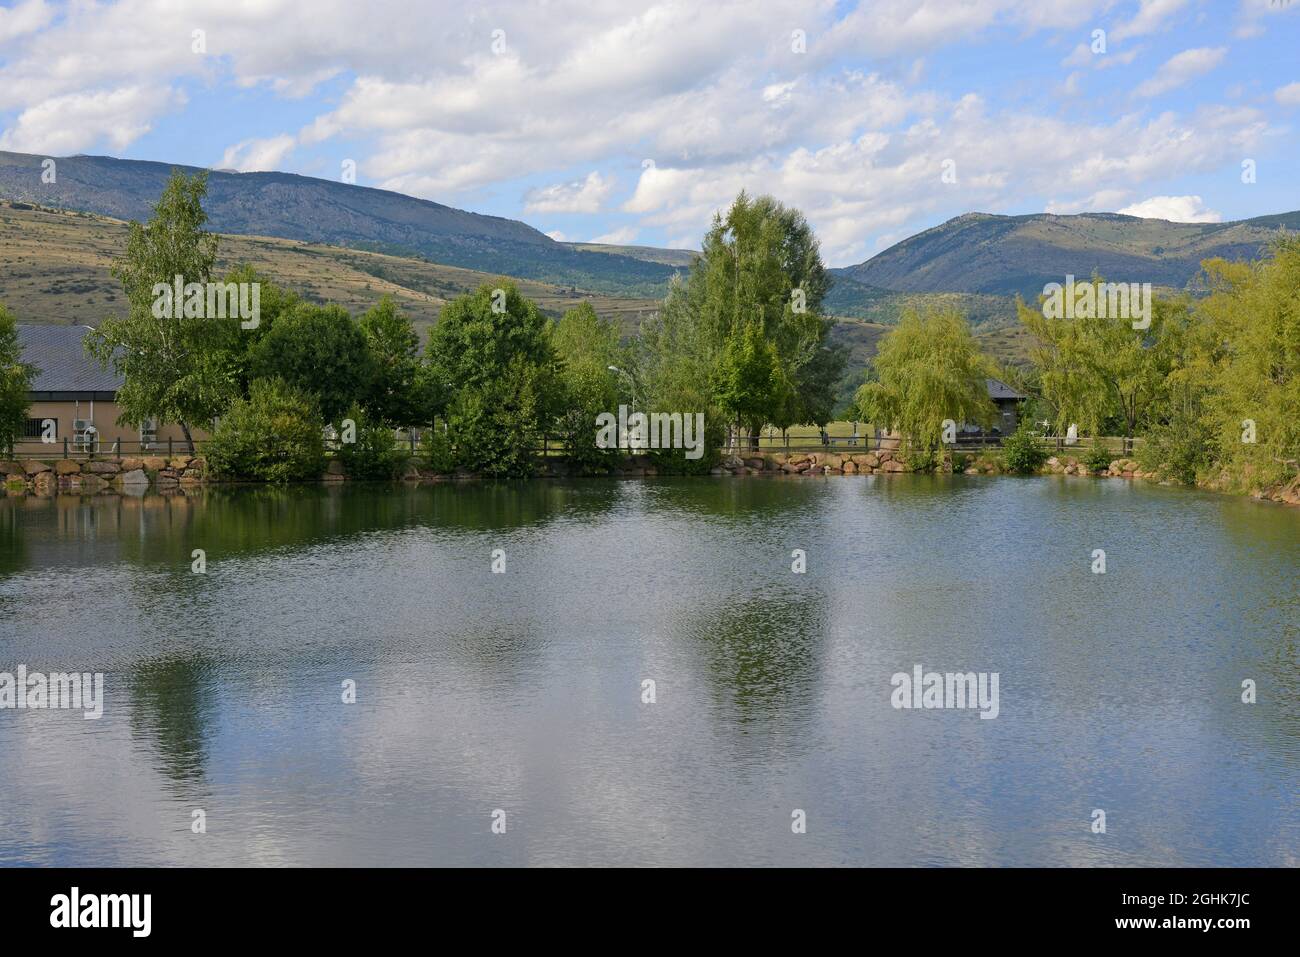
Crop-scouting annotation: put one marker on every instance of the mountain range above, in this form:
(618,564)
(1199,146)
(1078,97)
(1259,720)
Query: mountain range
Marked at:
(977,262)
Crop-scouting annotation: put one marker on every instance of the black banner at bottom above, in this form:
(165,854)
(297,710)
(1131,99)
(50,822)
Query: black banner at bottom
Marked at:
(136,906)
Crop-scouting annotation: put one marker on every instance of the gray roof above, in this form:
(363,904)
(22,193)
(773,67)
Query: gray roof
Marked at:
(1000,390)
(61,360)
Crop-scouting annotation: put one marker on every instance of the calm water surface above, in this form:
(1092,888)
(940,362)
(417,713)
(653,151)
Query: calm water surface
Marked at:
(522,691)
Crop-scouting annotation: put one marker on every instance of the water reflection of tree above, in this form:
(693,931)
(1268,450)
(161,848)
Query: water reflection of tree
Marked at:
(13,551)
(173,703)
(763,655)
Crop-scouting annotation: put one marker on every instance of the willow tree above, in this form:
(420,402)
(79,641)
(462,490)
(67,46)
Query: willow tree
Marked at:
(927,369)
(1252,318)
(1093,370)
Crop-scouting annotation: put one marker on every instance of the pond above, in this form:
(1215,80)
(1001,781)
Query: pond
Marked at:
(644,679)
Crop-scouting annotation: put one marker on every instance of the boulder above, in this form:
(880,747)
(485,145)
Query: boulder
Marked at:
(893,465)
(66,467)
(89,483)
(131,464)
(101,468)
(12,468)
(35,468)
(831,461)
(756,464)
(334,467)
(850,467)
(155,463)
(133,479)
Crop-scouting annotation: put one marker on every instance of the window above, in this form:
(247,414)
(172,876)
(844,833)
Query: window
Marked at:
(36,428)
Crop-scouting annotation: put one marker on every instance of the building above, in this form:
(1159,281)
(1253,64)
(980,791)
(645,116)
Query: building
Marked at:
(74,400)
(1008,401)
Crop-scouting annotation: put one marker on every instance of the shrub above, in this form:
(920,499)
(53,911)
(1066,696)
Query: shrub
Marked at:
(1177,449)
(922,460)
(438,454)
(1022,453)
(1098,458)
(373,454)
(274,435)
(675,462)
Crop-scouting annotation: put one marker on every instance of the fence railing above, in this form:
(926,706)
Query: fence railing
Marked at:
(414,443)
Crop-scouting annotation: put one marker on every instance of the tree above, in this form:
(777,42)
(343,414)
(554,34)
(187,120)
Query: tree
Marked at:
(15,383)
(586,346)
(927,369)
(273,435)
(1094,369)
(491,353)
(320,350)
(1250,353)
(392,395)
(163,360)
(750,382)
(760,265)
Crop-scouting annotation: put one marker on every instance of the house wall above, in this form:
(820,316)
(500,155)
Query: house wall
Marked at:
(104,416)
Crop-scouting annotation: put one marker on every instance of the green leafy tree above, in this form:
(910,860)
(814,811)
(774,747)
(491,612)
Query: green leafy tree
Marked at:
(491,354)
(393,393)
(320,350)
(1096,370)
(1250,353)
(164,361)
(15,383)
(586,346)
(273,435)
(750,381)
(927,369)
(760,265)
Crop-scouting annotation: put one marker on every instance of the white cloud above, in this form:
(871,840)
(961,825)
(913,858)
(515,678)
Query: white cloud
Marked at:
(618,237)
(256,155)
(581,196)
(76,121)
(558,236)
(23,19)
(1288,95)
(1181,68)
(1176,209)
(1150,17)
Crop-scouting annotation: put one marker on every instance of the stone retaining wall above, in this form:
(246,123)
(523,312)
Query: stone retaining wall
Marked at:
(129,474)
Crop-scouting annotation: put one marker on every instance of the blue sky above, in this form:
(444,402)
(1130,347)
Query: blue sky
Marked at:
(620,121)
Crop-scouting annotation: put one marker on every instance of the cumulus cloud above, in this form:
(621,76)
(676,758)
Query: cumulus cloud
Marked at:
(715,96)
(76,121)
(258,154)
(582,196)
(1176,209)
(1288,95)
(1181,68)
